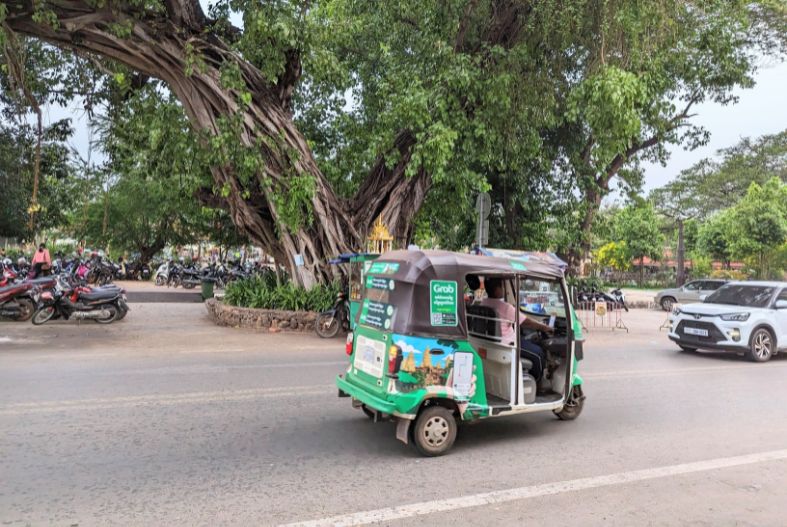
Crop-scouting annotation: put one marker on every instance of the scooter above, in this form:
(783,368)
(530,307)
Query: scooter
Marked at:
(162,273)
(104,305)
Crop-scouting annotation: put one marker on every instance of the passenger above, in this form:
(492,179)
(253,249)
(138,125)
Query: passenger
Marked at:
(507,314)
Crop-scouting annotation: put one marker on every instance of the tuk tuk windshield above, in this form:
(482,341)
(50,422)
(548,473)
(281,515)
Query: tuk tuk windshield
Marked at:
(541,297)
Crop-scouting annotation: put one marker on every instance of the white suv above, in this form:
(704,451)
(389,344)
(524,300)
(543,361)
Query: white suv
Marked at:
(748,317)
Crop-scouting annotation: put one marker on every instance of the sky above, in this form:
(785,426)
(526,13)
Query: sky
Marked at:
(760,110)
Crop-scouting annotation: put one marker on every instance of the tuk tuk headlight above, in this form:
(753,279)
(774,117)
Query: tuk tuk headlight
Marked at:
(736,317)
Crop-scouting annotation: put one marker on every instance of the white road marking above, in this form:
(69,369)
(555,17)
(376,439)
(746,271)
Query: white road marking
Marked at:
(163,400)
(548,489)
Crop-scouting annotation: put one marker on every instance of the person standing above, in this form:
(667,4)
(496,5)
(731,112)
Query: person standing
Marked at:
(41,261)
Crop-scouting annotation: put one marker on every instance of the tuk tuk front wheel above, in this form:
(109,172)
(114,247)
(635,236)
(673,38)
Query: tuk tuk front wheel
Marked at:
(435,431)
(573,406)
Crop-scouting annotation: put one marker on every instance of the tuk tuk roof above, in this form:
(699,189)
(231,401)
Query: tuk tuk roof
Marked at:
(419,267)
(353,257)
(525,256)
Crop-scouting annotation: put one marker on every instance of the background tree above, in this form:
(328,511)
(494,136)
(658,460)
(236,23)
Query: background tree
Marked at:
(637,231)
(59,181)
(154,169)
(757,225)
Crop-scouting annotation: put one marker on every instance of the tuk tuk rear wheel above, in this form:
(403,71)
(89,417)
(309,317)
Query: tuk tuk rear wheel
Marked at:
(573,406)
(435,431)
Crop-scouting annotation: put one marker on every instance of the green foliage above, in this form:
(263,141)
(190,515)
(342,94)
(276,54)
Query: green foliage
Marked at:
(615,255)
(264,292)
(701,264)
(59,184)
(144,196)
(757,224)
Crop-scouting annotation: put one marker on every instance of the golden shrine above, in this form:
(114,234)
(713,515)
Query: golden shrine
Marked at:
(380,240)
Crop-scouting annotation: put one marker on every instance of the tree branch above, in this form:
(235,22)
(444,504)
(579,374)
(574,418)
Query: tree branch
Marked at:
(186,13)
(464,24)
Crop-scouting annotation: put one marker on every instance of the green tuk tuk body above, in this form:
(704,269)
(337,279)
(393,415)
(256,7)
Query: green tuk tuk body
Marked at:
(423,355)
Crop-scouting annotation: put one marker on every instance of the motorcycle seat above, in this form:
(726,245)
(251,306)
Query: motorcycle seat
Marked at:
(100,294)
(15,288)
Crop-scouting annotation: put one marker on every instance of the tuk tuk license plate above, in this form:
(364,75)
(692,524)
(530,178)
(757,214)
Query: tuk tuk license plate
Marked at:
(369,356)
(696,331)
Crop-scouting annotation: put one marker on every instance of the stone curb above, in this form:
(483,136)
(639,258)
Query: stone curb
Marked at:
(270,320)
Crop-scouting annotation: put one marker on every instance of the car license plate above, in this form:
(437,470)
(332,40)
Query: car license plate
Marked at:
(696,331)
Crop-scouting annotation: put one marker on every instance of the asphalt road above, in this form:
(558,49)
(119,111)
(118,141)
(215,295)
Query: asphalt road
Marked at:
(165,419)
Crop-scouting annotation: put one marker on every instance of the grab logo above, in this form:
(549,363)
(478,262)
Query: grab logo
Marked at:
(443,288)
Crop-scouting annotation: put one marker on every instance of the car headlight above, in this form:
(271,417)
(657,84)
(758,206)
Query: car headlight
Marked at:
(676,311)
(736,317)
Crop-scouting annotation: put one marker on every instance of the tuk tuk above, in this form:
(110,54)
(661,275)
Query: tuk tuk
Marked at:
(430,346)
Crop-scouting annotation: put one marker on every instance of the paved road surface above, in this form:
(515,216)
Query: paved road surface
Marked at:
(165,419)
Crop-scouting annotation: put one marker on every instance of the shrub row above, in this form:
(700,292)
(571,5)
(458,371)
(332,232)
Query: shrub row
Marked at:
(264,292)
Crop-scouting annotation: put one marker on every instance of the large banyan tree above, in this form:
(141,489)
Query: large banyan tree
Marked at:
(320,116)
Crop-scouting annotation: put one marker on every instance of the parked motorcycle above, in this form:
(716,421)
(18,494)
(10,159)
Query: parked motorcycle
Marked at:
(104,305)
(615,299)
(16,302)
(329,322)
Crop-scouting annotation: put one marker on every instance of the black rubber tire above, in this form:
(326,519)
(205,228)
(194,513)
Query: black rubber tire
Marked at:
(160,280)
(369,413)
(761,345)
(113,314)
(26,309)
(43,315)
(325,328)
(573,406)
(687,349)
(667,302)
(121,313)
(434,431)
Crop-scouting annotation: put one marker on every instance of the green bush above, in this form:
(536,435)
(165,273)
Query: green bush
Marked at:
(264,292)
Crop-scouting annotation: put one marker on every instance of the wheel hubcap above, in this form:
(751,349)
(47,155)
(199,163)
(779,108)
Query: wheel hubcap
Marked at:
(762,344)
(436,431)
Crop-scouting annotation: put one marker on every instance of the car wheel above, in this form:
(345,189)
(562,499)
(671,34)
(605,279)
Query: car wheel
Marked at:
(687,349)
(667,302)
(761,345)
(435,431)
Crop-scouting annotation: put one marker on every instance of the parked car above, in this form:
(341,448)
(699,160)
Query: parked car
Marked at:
(744,317)
(691,292)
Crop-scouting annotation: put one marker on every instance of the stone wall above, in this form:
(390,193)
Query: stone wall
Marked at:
(271,320)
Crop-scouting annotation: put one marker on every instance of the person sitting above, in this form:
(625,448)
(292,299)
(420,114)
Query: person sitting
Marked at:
(507,314)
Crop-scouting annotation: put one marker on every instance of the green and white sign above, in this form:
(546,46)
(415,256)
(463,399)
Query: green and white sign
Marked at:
(377,315)
(378,282)
(443,302)
(383,268)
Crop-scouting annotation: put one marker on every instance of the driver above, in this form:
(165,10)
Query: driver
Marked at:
(507,314)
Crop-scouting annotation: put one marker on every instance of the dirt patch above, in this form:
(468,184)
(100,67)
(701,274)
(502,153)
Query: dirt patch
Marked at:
(272,320)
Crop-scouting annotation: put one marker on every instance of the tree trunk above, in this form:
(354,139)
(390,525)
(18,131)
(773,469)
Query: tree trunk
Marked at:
(641,270)
(179,48)
(681,278)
